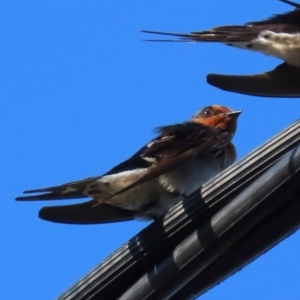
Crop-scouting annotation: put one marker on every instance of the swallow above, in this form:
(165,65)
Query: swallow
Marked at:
(163,172)
(278,36)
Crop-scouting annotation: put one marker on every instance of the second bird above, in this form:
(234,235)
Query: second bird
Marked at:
(162,173)
(277,36)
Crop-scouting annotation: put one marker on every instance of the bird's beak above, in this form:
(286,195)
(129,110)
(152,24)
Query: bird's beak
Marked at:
(235,113)
(283,81)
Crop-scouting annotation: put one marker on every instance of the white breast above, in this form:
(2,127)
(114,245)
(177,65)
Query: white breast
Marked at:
(156,196)
(285,46)
(191,175)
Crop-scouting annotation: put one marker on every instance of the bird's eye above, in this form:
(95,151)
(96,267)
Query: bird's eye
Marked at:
(206,112)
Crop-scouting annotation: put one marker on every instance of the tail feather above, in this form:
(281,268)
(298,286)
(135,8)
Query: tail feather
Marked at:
(167,33)
(222,34)
(52,196)
(170,41)
(71,190)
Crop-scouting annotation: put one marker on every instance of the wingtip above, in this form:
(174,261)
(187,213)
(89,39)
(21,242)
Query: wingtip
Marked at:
(28,198)
(283,82)
(20,198)
(41,190)
(34,191)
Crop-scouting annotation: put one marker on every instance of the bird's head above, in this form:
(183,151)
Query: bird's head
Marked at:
(217,116)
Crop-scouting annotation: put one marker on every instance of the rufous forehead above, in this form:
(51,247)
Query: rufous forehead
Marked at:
(221,109)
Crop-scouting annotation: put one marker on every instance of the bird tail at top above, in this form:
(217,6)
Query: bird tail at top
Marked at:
(182,36)
(221,34)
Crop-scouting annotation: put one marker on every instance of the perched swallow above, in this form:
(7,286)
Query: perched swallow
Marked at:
(278,36)
(169,168)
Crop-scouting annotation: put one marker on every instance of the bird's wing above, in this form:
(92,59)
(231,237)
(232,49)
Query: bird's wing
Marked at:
(175,139)
(134,162)
(85,213)
(177,144)
(75,189)
(283,81)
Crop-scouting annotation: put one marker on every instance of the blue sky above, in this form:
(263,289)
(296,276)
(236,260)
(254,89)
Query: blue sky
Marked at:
(81,92)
